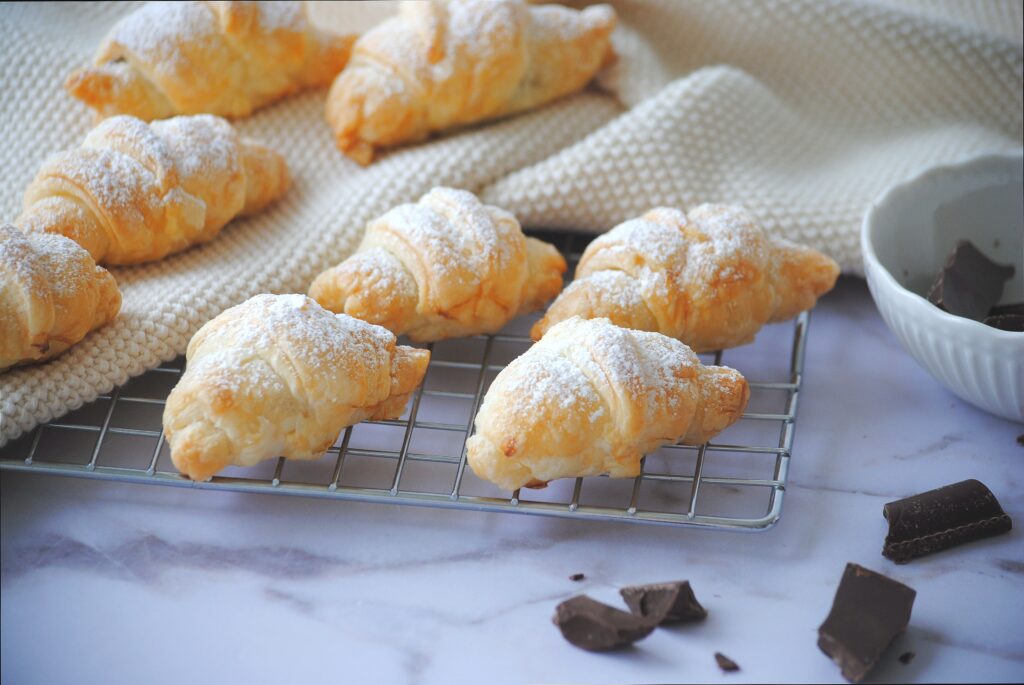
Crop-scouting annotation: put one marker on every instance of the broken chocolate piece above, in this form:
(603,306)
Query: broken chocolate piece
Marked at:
(907,657)
(597,627)
(664,602)
(1020,439)
(970,283)
(868,613)
(577,577)
(1006,322)
(942,518)
(725,663)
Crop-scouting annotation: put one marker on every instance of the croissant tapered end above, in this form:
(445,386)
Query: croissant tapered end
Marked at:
(546,266)
(408,367)
(69,217)
(803,275)
(118,88)
(372,285)
(266,175)
(612,295)
(724,397)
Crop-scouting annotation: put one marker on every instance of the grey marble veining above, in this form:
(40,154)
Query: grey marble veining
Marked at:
(106,582)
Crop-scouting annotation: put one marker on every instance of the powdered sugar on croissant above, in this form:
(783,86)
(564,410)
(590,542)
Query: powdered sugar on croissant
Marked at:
(225,58)
(593,398)
(711,278)
(443,267)
(280,376)
(444,64)
(51,295)
(135,192)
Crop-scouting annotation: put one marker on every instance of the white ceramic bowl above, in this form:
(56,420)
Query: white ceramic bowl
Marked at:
(906,238)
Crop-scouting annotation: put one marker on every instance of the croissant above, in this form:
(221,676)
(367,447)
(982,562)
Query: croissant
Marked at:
(438,65)
(593,398)
(711,279)
(444,267)
(225,58)
(135,192)
(51,295)
(278,375)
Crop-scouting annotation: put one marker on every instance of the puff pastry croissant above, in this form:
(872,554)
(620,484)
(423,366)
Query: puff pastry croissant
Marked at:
(443,64)
(225,58)
(135,192)
(444,267)
(593,398)
(51,295)
(711,279)
(278,375)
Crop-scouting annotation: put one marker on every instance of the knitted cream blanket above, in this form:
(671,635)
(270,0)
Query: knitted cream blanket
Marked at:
(802,110)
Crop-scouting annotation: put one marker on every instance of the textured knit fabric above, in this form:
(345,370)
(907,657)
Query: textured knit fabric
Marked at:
(802,110)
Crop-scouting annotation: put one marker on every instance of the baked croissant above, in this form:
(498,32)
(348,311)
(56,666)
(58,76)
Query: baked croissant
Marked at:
(51,295)
(711,279)
(225,58)
(443,64)
(135,192)
(444,267)
(278,375)
(593,398)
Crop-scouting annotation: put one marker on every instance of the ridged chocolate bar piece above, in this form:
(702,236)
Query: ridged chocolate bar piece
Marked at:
(942,518)
(868,613)
(970,283)
(664,602)
(597,627)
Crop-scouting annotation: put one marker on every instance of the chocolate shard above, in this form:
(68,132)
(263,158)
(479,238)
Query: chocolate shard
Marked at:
(868,613)
(597,627)
(1006,322)
(970,283)
(664,602)
(942,518)
(725,663)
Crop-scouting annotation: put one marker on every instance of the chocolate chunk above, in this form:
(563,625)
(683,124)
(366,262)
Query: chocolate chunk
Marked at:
(597,627)
(1006,322)
(868,613)
(725,663)
(577,577)
(907,657)
(1020,439)
(942,518)
(970,283)
(664,602)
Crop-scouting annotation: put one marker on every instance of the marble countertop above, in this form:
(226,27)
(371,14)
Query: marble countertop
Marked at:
(112,583)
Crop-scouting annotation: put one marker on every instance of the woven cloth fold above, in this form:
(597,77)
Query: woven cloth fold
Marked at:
(802,110)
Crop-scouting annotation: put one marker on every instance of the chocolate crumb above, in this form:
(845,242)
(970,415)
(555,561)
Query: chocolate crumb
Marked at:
(725,663)
(664,602)
(577,577)
(597,627)
(1020,439)
(907,657)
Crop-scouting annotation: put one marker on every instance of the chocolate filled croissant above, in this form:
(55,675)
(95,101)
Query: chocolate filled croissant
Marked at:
(443,64)
(593,398)
(443,267)
(279,375)
(135,192)
(224,58)
(711,278)
(51,295)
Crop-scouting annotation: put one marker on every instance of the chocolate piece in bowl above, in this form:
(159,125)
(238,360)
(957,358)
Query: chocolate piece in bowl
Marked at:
(1007,317)
(664,602)
(868,613)
(597,627)
(942,518)
(970,283)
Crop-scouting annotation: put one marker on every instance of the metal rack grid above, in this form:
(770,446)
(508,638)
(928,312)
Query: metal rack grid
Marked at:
(734,483)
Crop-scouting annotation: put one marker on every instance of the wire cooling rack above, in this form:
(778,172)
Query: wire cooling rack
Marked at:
(736,482)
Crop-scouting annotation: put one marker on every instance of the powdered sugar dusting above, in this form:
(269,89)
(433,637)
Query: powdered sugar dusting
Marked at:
(45,264)
(158,28)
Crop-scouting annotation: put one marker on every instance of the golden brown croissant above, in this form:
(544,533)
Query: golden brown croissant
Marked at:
(51,295)
(711,279)
(444,267)
(593,398)
(438,65)
(279,375)
(224,58)
(134,192)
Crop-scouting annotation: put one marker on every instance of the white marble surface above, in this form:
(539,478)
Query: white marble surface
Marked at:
(108,583)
